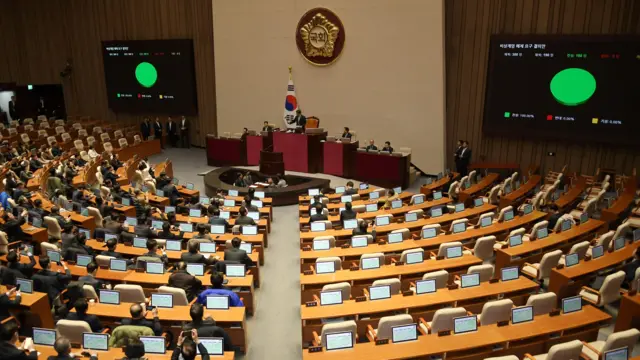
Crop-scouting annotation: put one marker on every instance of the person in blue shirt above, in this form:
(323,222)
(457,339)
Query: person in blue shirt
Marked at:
(217,289)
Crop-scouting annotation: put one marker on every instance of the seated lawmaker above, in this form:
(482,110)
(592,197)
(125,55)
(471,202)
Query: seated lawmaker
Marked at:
(243,219)
(185,281)
(139,318)
(346,134)
(319,215)
(237,254)
(387,147)
(81,307)
(206,327)
(362,229)
(218,289)
(215,219)
(267,127)
(348,213)
(349,189)
(9,338)
(391,195)
(186,347)
(371,146)
(192,256)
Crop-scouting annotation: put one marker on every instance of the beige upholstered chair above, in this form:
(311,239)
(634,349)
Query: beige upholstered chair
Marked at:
(44,125)
(393,283)
(4,243)
(344,326)
(442,320)
(623,229)
(122,142)
(97,217)
(566,351)
(47,246)
(344,287)
(107,147)
(28,121)
(51,140)
(72,329)
(103,260)
(332,240)
(516,232)
(442,250)
(503,211)
(533,234)
(97,130)
(104,137)
(579,248)
(454,189)
(608,293)
(565,217)
(89,292)
(595,349)
(472,177)
(459,221)
(493,196)
(496,311)
(406,234)
(441,277)
(485,271)
(385,325)
(83,133)
(483,249)
(130,293)
(538,200)
(542,303)
(372,255)
(53,228)
(437,227)
(77,126)
(405,253)
(25,138)
(65,137)
(78,145)
(604,240)
(489,215)
(414,197)
(59,122)
(91,140)
(636,277)
(118,134)
(541,271)
(336,260)
(179,295)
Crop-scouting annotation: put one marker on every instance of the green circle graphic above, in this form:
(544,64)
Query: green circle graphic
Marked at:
(573,86)
(146,74)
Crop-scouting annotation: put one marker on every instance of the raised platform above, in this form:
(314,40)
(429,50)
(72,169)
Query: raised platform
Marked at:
(223,179)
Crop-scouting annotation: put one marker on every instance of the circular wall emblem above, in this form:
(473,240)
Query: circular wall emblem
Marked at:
(320,36)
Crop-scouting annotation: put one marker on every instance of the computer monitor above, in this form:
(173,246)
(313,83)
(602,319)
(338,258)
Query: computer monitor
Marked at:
(314,192)
(383,220)
(597,251)
(249,230)
(110,236)
(350,224)
(160,193)
(175,181)
(214,346)
(36,222)
(84,211)
(54,256)
(374,195)
(256,203)
(325,267)
(542,233)
(170,209)
(515,240)
(205,200)
(162,300)
(131,221)
(509,273)
(370,263)
(321,244)
(218,229)
(255,215)
(318,226)
(126,201)
(371,207)
(469,280)
(459,207)
(395,238)
(217,302)
(140,242)
(619,243)
(571,304)
(94,341)
(154,268)
(379,292)
(508,215)
(195,269)
(190,186)
(397,190)
(486,221)
(436,211)
(332,297)
(477,202)
(259,194)
(521,314)
(68,206)
(45,337)
(528,208)
(186,227)
(437,195)
(415,257)
(26,286)
(340,189)
(429,181)
(584,217)
(110,297)
(235,270)
(571,260)
(465,324)
(346,198)
(225,215)
(507,189)
(459,227)
(517,185)
(428,233)
(195,213)
(566,225)
(359,241)
(153,344)
(396,204)
(27,249)
(402,333)
(229,202)
(410,217)
(157,224)
(339,340)
(427,286)
(418,200)
(454,252)
(83,260)
(207,247)
(232,193)
(636,234)
(617,354)
(118,265)
(246,247)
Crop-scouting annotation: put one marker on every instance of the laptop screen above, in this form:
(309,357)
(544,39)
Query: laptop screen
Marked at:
(232,193)
(131,221)
(415,257)
(321,244)
(205,200)
(364,186)
(85,232)
(110,236)
(219,302)
(217,229)
(118,265)
(404,333)
(54,256)
(140,242)
(371,207)
(459,227)
(36,222)
(110,297)
(428,233)
(186,227)
(597,251)
(345,198)
(374,195)
(26,286)
(394,238)
(44,336)
(429,181)
(571,304)
(229,202)
(521,314)
(382,220)
(486,221)
(469,280)
(339,340)
(155,268)
(160,193)
(195,213)
(246,247)
(437,195)
(425,286)
(214,346)
(410,217)
(435,212)
(542,233)
(153,344)
(465,324)
(255,215)
(397,190)
(370,263)
(325,267)
(162,300)
(340,189)
(379,292)
(93,341)
(256,203)
(527,209)
(418,200)
(83,260)
(396,204)
(571,260)
(249,230)
(477,202)
(126,201)
(515,240)
(259,194)
(350,224)
(459,207)
(584,217)
(190,186)
(454,252)
(195,269)
(508,215)
(359,241)
(331,297)
(157,224)
(617,354)
(169,209)
(318,226)
(636,234)
(225,215)
(566,225)
(208,247)
(617,244)
(314,192)
(235,270)
(510,273)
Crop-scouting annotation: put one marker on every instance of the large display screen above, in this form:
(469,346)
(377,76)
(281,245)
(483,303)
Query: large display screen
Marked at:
(150,76)
(564,88)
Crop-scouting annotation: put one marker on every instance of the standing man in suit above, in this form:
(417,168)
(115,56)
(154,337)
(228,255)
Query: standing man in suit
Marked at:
(465,158)
(12,109)
(42,109)
(48,281)
(157,131)
(456,155)
(145,129)
(172,131)
(266,127)
(346,134)
(299,120)
(184,133)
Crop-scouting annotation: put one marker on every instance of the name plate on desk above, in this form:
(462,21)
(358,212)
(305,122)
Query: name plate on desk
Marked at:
(503,323)
(407,293)
(399,263)
(555,312)
(345,246)
(493,280)
(452,286)
(354,268)
(361,298)
(311,303)
(306,248)
(308,272)
(382,341)
(444,333)
(315,349)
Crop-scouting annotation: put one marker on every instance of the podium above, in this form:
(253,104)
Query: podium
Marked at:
(257,143)
(226,151)
(271,163)
(339,158)
(382,169)
(300,152)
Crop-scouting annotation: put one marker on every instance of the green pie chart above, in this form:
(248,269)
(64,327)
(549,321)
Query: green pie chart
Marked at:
(573,86)
(146,74)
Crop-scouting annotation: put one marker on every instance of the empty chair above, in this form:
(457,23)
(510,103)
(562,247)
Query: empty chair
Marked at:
(394,284)
(492,196)
(483,249)
(99,178)
(454,189)
(623,229)
(78,145)
(336,260)
(77,126)
(344,287)
(414,197)
(503,211)
(130,293)
(137,138)
(344,326)
(620,339)
(514,176)
(459,221)
(51,140)
(96,215)
(372,255)
(608,293)
(579,248)
(403,256)
(84,156)
(118,134)
(179,295)
(489,215)
(385,325)
(25,138)
(441,277)
(332,240)
(516,232)
(359,208)
(107,147)
(44,246)
(53,228)
(28,121)
(103,260)
(442,320)
(563,218)
(83,133)
(123,142)
(541,271)
(59,130)
(406,234)
(506,183)
(89,292)
(442,250)
(472,177)
(104,137)
(542,303)
(91,140)
(72,329)
(566,351)
(97,130)
(533,234)
(59,122)
(65,137)
(42,133)
(589,209)
(382,218)
(485,271)
(44,125)
(4,243)
(538,200)
(496,311)
(436,227)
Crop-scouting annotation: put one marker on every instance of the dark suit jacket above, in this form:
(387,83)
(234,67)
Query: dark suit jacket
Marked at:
(300,120)
(6,303)
(208,328)
(157,129)
(92,320)
(172,127)
(216,220)
(387,149)
(348,215)
(189,283)
(145,129)
(465,156)
(50,282)
(346,135)
(245,220)
(13,229)
(371,147)
(10,352)
(351,191)
(115,254)
(22,271)
(267,128)
(12,110)
(238,255)
(90,280)
(319,217)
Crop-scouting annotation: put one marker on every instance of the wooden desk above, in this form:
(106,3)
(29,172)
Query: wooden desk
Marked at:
(38,303)
(531,337)
(568,281)
(333,205)
(570,197)
(118,353)
(415,225)
(428,189)
(38,235)
(364,195)
(629,313)
(263,222)
(532,251)
(474,189)
(624,201)
(522,191)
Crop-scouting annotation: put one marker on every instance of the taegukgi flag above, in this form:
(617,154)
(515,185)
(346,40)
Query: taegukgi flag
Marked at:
(290,104)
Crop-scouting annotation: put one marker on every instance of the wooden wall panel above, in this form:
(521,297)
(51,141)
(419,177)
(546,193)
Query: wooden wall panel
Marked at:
(469,25)
(38,36)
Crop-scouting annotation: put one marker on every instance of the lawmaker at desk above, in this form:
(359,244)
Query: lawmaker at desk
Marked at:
(266,127)
(349,189)
(371,146)
(346,134)
(387,147)
(299,120)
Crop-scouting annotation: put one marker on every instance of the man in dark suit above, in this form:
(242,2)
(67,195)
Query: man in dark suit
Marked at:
(145,128)
(55,213)
(185,281)
(152,246)
(349,189)
(12,226)
(62,346)
(372,146)
(111,249)
(192,255)
(42,108)
(207,327)
(157,131)
(266,127)
(237,254)
(21,271)
(138,318)
(465,158)
(348,213)
(185,142)
(90,278)
(243,219)
(215,219)
(346,134)
(13,112)
(48,281)
(8,338)
(456,154)
(300,121)
(172,131)
(318,216)
(81,307)
(387,147)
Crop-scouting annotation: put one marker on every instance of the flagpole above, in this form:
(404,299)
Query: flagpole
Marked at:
(290,77)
